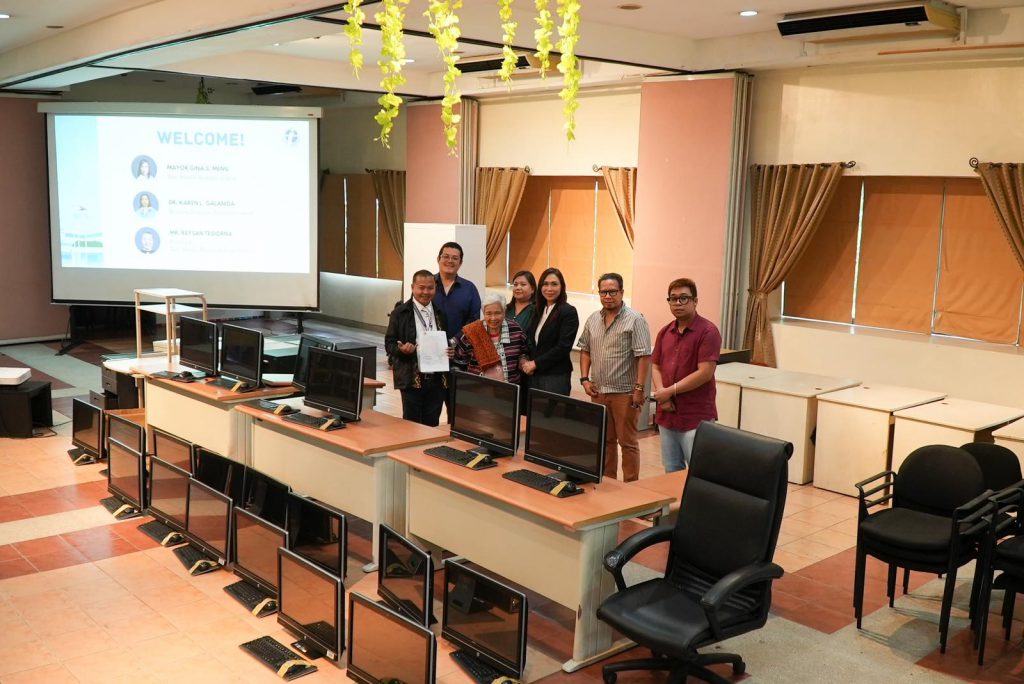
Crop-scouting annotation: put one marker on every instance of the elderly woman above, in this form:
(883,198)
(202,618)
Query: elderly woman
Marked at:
(493,346)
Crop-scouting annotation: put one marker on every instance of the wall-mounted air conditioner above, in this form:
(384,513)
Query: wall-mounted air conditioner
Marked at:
(489,65)
(930,18)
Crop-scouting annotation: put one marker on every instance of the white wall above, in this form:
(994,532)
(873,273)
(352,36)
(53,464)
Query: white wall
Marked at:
(347,142)
(527,131)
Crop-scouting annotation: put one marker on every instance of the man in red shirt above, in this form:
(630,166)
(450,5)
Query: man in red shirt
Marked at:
(683,373)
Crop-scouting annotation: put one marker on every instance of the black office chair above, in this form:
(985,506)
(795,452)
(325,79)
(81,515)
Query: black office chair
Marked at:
(718,578)
(1003,552)
(934,524)
(999,466)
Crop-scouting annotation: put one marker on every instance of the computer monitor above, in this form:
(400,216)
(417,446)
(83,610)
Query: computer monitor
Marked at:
(566,435)
(198,344)
(87,427)
(127,432)
(405,576)
(208,520)
(126,474)
(486,618)
(334,383)
(173,450)
(384,646)
(309,605)
(168,494)
(241,354)
(255,549)
(307,342)
(485,412)
(264,496)
(220,473)
(319,533)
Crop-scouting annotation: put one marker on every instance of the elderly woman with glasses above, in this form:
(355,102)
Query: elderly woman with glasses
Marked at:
(492,346)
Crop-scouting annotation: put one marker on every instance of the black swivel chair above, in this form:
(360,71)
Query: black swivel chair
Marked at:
(718,578)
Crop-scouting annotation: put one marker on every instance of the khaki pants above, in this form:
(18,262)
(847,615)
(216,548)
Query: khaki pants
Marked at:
(620,431)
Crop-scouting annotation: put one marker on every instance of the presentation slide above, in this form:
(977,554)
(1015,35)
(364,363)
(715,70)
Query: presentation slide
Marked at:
(223,205)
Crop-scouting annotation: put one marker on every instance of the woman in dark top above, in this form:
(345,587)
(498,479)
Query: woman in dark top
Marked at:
(552,336)
(521,308)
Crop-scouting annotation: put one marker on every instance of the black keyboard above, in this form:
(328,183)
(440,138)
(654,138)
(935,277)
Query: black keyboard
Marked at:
(272,407)
(256,601)
(544,483)
(316,422)
(286,663)
(161,533)
(195,561)
(228,383)
(463,458)
(481,672)
(119,509)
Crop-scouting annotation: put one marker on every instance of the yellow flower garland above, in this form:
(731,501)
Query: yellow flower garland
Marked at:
(569,33)
(508,36)
(354,31)
(391,20)
(444,26)
(543,35)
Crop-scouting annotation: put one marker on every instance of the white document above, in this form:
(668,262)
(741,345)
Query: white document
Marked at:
(432,351)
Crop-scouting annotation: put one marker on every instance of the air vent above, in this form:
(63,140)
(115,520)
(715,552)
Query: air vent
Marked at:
(873,22)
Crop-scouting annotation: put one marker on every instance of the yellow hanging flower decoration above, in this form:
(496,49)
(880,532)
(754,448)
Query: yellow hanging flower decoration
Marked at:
(444,26)
(354,31)
(391,19)
(508,36)
(543,35)
(569,35)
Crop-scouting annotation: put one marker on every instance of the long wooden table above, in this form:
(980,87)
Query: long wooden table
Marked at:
(344,468)
(555,547)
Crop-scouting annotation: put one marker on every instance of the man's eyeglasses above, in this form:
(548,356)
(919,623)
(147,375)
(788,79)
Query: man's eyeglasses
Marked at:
(450,257)
(608,293)
(681,299)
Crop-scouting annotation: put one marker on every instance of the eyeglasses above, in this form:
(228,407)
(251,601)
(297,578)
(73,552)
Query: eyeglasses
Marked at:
(450,257)
(609,293)
(681,299)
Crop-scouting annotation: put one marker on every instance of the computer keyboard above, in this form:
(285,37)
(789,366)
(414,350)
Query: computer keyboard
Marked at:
(481,672)
(544,483)
(273,407)
(195,561)
(256,601)
(463,458)
(286,663)
(316,422)
(230,384)
(161,533)
(119,509)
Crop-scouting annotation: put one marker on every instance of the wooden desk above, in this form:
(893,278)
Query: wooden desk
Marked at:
(1012,437)
(669,484)
(950,421)
(785,406)
(343,468)
(730,378)
(555,547)
(855,432)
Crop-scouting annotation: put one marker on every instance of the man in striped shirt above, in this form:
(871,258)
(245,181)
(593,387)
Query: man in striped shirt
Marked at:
(615,358)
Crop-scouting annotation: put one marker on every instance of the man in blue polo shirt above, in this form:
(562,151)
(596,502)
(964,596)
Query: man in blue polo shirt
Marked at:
(455,296)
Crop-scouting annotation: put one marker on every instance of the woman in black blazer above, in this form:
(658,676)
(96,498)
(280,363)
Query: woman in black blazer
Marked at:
(551,336)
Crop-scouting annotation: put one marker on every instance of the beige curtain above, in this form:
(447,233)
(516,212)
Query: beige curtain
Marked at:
(787,204)
(498,192)
(389,187)
(621,184)
(1004,185)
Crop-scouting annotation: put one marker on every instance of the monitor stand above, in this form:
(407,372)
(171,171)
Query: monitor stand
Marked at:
(306,648)
(480,451)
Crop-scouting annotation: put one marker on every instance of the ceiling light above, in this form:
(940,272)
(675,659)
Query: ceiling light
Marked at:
(748,13)
(276,44)
(4,15)
(408,60)
(629,7)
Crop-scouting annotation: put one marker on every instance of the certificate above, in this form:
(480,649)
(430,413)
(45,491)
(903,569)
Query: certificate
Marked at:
(432,351)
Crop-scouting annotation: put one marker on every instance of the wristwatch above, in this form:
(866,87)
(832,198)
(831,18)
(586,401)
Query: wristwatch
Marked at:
(638,387)
(584,379)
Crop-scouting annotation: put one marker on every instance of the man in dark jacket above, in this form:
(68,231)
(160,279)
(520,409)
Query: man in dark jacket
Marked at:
(423,394)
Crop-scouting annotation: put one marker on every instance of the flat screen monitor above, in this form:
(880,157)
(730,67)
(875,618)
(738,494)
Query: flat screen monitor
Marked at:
(208,521)
(168,494)
(264,496)
(485,412)
(126,473)
(309,605)
(198,344)
(127,432)
(405,576)
(173,450)
(220,473)
(307,342)
(335,383)
(566,435)
(87,427)
(319,533)
(241,354)
(255,549)
(485,617)
(383,646)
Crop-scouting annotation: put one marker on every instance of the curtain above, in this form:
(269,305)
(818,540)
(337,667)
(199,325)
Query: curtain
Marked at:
(389,187)
(621,184)
(498,192)
(787,204)
(1004,185)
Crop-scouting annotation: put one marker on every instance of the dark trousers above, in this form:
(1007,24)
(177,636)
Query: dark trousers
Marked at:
(559,383)
(423,405)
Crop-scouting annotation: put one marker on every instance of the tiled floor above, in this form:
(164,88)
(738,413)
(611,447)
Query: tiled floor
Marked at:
(84,598)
